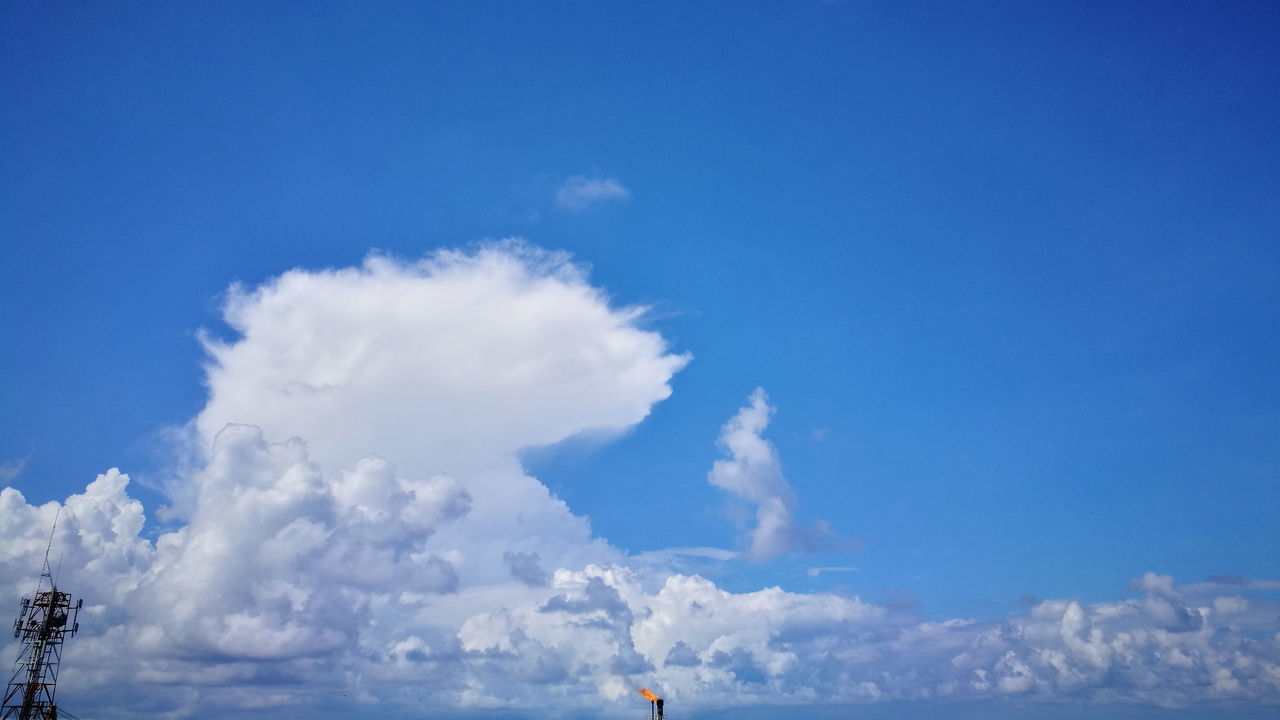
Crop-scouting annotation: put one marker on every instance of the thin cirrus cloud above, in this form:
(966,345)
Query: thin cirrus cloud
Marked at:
(579,192)
(359,524)
(817,571)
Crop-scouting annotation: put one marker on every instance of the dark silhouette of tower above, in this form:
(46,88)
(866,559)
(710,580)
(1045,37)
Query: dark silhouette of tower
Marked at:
(43,623)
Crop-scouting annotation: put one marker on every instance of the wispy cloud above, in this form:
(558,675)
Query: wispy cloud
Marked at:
(751,473)
(11,469)
(581,192)
(816,571)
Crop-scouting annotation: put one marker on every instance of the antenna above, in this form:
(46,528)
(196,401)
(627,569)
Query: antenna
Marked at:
(44,570)
(43,623)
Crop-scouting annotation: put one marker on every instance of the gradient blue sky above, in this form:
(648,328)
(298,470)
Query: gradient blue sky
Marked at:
(1007,270)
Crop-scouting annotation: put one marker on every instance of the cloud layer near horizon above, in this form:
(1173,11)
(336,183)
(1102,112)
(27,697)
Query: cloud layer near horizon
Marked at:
(359,524)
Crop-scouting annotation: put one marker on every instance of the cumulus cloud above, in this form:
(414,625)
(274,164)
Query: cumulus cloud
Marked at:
(358,533)
(448,365)
(281,559)
(580,192)
(752,474)
(356,463)
(283,570)
(525,568)
(98,532)
(703,645)
(457,360)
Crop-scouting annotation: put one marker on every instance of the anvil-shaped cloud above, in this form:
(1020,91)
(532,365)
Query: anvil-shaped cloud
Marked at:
(359,530)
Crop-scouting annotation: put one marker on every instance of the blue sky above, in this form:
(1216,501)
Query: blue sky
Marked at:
(1007,271)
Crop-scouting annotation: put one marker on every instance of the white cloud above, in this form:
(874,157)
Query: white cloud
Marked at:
(97,532)
(359,524)
(448,365)
(816,571)
(11,469)
(671,554)
(752,473)
(699,645)
(456,361)
(580,192)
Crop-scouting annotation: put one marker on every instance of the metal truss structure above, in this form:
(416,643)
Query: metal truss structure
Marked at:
(44,622)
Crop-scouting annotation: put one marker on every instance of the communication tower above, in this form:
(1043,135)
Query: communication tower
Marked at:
(43,623)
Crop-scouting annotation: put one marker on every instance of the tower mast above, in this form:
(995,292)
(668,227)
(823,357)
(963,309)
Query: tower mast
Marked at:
(43,623)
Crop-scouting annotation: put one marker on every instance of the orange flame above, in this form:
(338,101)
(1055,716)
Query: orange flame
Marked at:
(649,696)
